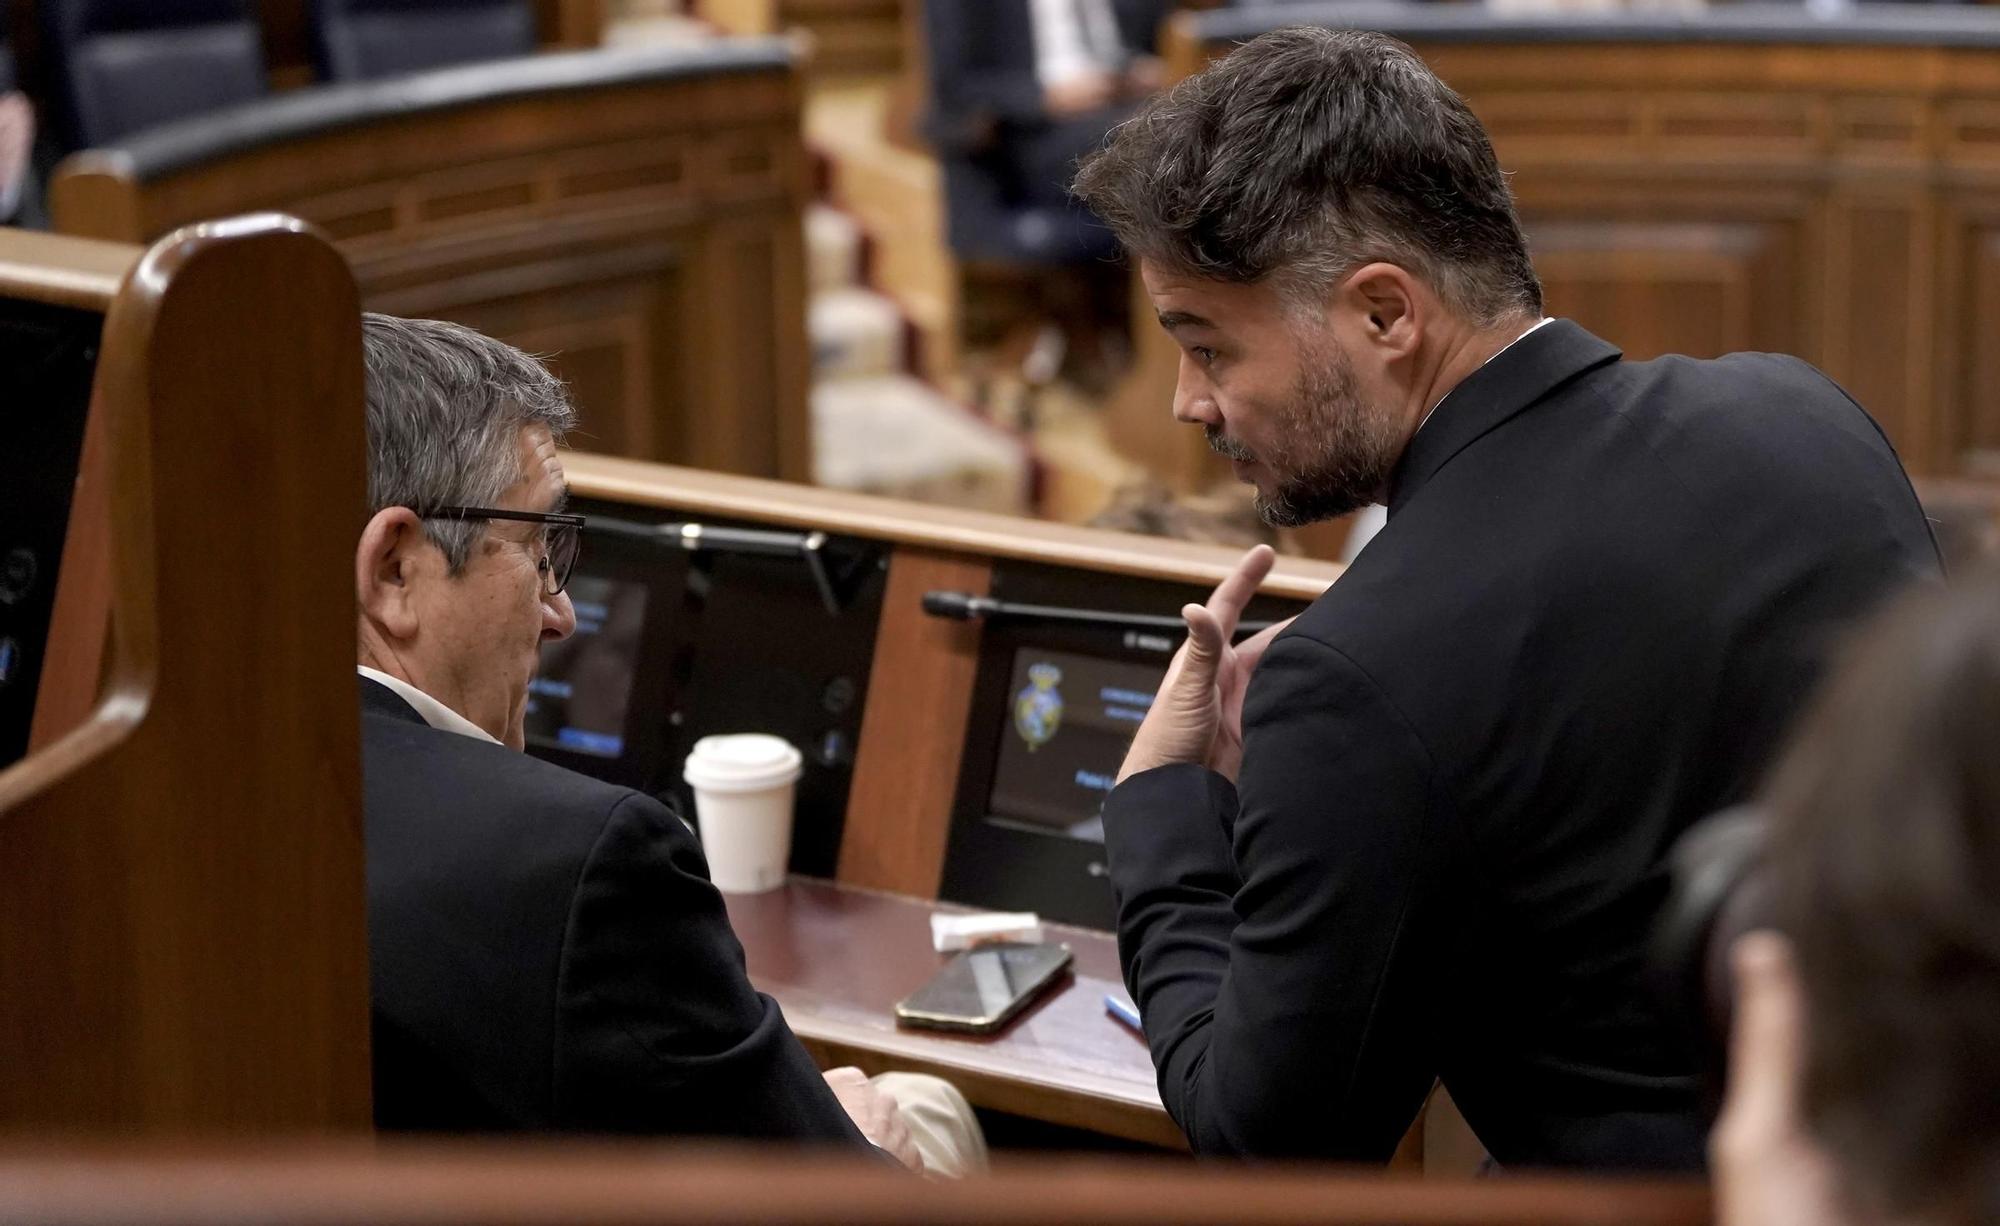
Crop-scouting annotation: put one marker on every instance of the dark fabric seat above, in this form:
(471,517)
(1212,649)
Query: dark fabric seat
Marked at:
(6,50)
(123,65)
(984,226)
(363,39)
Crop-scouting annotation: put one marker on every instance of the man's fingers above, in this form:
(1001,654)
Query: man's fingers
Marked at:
(1227,601)
(1205,643)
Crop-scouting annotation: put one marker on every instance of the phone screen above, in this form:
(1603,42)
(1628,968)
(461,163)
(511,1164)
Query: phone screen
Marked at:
(984,986)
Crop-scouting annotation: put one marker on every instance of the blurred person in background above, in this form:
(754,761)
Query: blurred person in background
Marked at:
(1865,1063)
(20,197)
(1019,91)
(1033,85)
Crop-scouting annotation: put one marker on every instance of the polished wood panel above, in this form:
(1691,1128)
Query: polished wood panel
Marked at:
(181,905)
(73,659)
(837,959)
(651,232)
(848,37)
(913,731)
(547,1184)
(1970,255)
(947,530)
(1816,198)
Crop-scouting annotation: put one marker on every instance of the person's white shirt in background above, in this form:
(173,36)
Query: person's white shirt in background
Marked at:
(1075,39)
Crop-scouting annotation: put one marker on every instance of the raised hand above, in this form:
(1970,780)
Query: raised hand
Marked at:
(1198,715)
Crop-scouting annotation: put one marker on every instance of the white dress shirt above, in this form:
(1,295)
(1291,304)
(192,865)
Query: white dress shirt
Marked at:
(435,713)
(1075,38)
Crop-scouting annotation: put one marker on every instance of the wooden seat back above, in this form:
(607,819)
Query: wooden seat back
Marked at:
(182,917)
(398,1185)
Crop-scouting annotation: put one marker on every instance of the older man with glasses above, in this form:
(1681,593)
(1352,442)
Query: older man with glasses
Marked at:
(547,951)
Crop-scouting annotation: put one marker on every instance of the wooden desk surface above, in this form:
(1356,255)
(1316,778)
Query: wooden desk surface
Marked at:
(837,959)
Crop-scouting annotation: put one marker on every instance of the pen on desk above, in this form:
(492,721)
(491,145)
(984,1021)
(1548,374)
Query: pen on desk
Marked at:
(1125,1013)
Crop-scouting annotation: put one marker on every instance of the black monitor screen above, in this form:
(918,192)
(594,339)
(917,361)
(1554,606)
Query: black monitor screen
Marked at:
(48,358)
(578,700)
(1069,720)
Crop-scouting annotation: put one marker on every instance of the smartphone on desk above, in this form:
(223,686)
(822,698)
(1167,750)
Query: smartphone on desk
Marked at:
(982,987)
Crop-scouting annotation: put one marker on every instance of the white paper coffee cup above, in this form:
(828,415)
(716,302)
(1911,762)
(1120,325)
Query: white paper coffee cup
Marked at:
(743,787)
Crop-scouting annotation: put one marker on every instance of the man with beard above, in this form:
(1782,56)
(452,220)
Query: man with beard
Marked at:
(1425,842)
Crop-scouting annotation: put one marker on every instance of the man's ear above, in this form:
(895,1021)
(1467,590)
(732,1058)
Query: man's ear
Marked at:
(1389,306)
(386,564)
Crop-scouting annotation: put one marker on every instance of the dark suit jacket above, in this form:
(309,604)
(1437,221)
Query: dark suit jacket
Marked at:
(1603,589)
(548,954)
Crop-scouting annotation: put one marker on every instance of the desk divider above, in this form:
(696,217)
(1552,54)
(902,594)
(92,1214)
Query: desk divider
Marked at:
(182,918)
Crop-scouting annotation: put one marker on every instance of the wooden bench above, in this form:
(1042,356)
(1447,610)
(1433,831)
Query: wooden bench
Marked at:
(182,937)
(655,1185)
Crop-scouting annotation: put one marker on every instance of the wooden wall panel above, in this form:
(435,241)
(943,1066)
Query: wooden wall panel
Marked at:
(1701,289)
(1974,268)
(848,36)
(919,698)
(655,226)
(1879,319)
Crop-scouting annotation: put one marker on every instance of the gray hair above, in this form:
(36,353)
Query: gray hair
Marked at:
(446,407)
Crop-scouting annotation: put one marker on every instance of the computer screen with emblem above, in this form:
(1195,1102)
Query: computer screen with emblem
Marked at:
(1054,705)
(1070,719)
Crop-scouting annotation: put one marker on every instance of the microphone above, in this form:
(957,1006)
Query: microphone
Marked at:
(809,547)
(966,607)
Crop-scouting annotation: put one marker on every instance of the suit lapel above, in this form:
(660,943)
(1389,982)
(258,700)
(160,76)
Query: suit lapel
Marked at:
(1523,374)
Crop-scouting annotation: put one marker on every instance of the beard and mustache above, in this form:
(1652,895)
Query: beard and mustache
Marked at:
(1331,451)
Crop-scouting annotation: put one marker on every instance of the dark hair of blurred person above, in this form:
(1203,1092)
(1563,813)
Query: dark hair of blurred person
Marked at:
(1865,1080)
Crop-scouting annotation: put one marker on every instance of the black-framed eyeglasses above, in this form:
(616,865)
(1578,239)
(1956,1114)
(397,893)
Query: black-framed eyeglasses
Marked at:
(563,541)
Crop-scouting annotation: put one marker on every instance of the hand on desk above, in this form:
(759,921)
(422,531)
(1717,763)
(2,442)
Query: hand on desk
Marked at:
(1198,716)
(876,1115)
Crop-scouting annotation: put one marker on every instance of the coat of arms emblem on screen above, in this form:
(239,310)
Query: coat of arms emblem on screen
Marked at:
(1038,708)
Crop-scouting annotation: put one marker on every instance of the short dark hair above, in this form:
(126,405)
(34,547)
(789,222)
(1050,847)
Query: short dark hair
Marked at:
(1884,863)
(1305,153)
